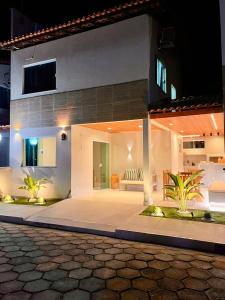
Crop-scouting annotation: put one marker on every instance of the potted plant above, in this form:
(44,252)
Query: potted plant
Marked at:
(183,190)
(33,186)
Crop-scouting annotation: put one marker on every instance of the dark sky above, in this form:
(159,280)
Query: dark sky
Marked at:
(196,22)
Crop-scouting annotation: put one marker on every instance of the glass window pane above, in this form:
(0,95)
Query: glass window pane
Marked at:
(40,152)
(173,92)
(40,78)
(161,75)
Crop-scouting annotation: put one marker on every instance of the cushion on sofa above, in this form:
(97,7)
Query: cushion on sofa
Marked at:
(131,174)
(141,174)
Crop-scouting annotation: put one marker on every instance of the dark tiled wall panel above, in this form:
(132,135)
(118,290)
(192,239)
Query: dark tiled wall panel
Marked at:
(108,103)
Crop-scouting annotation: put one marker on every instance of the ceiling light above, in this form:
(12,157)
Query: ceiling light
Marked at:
(191,135)
(171,124)
(214,121)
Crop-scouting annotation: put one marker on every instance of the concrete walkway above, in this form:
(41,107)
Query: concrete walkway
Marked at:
(119,219)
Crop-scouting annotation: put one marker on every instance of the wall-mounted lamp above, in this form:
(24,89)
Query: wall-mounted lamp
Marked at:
(63,136)
(129,157)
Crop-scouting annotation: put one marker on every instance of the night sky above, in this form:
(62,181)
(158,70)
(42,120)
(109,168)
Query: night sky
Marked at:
(196,23)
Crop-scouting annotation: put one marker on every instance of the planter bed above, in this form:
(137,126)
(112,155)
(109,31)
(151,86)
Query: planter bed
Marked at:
(24,201)
(194,215)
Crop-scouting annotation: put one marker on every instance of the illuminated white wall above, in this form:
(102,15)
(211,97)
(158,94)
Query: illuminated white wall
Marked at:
(82,158)
(127,151)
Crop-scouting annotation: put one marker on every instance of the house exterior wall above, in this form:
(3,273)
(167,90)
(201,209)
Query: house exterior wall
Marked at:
(82,158)
(101,75)
(107,103)
(108,55)
(170,58)
(59,176)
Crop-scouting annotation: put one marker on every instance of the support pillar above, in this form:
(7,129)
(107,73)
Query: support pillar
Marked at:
(147,168)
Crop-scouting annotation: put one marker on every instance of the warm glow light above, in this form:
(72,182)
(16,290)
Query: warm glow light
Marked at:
(140,126)
(214,121)
(182,131)
(171,124)
(191,135)
(129,147)
(109,128)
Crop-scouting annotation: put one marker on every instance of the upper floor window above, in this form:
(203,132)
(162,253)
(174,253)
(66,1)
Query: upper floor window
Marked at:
(173,92)
(161,75)
(39,77)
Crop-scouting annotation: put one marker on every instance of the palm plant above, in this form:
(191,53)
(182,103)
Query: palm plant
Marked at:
(33,186)
(183,190)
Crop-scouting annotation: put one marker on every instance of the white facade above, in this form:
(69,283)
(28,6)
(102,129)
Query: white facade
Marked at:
(111,54)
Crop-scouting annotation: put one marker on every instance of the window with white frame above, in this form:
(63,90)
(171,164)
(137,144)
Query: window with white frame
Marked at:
(161,75)
(39,77)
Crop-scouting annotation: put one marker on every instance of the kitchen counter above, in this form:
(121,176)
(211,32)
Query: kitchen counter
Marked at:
(213,172)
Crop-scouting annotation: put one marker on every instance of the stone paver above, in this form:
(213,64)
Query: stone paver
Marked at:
(65,285)
(38,263)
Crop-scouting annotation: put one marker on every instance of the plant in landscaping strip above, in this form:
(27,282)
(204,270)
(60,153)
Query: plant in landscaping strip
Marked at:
(33,186)
(183,190)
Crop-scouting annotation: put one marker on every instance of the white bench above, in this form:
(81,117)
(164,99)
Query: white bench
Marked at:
(132,177)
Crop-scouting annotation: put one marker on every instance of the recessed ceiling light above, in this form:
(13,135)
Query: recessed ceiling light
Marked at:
(171,124)
(214,121)
(109,128)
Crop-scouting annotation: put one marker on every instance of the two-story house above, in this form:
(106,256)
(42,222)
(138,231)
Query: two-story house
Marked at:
(85,110)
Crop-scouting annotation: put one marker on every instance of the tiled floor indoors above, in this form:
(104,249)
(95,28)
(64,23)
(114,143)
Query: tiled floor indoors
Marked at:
(38,263)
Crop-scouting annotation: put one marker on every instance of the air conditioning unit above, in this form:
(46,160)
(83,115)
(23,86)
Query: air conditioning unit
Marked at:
(167,38)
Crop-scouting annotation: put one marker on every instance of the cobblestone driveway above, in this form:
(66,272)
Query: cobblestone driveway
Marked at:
(37,263)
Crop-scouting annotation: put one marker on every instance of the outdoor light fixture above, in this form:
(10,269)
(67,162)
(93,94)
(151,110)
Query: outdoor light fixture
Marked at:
(129,157)
(63,136)
(214,121)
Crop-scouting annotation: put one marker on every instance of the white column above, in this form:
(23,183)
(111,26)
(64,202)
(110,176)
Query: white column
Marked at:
(147,161)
